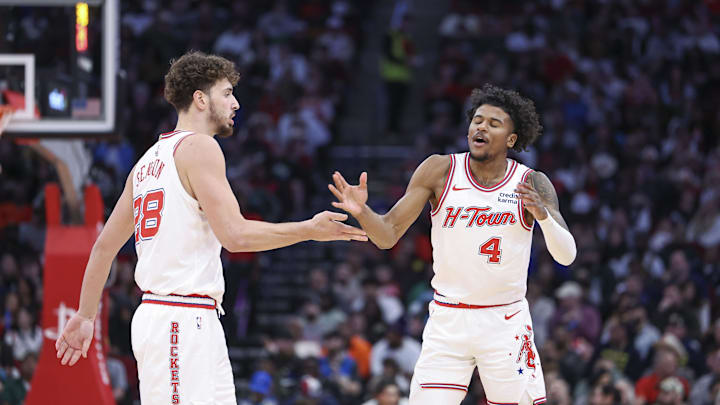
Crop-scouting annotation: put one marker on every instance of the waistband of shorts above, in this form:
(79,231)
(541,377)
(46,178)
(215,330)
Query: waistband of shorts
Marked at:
(449,302)
(173,300)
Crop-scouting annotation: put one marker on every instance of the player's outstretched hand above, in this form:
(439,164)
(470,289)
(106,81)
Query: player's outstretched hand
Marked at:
(531,199)
(327,226)
(351,199)
(74,340)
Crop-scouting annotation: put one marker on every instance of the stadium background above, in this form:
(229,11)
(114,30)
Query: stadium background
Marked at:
(629,95)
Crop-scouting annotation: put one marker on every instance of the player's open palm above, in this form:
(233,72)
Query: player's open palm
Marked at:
(327,226)
(74,340)
(351,198)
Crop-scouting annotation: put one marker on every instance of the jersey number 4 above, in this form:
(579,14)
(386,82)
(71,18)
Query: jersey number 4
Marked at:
(491,248)
(147,211)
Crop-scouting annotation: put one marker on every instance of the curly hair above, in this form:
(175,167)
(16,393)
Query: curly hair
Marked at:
(196,71)
(520,109)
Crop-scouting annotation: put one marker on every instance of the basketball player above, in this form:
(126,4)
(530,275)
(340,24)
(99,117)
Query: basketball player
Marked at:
(484,206)
(178,206)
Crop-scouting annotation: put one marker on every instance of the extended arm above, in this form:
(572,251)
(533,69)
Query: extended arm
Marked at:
(77,335)
(541,202)
(200,158)
(385,230)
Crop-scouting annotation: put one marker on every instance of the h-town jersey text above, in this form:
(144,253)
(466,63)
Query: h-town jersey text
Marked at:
(481,241)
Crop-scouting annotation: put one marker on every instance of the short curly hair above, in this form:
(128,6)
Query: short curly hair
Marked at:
(520,109)
(196,71)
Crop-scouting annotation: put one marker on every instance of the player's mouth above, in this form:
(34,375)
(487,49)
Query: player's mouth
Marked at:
(479,140)
(232,123)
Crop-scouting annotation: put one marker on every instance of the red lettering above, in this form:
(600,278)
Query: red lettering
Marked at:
(175,386)
(494,219)
(159,170)
(174,327)
(507,217)
(149,169)
(173,363)
(451,216)
(482,218)
(173,351)
(175,399)
(173,339)
(174,375)
(475,211)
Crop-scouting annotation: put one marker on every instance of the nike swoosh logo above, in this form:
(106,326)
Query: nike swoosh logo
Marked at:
(510,316)
(455,188)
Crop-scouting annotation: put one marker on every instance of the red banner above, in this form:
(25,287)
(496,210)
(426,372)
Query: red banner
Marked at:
(87,382)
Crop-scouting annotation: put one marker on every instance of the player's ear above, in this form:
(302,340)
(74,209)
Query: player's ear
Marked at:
(511,140)
(200,99)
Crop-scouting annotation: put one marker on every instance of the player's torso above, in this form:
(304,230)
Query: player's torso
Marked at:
(481,243)
(177,251)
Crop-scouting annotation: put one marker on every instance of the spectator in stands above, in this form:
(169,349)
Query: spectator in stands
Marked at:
(25,337)
(701,393)
(387,393)
(404,350)
(668,354)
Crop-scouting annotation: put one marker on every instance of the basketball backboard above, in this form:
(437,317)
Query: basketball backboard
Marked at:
(58,66)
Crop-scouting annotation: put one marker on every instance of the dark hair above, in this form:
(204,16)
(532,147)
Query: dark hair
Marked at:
(520,109)
(196,71)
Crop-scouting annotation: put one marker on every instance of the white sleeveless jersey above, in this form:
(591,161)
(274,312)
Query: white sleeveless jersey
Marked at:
(178,253)
(481,243)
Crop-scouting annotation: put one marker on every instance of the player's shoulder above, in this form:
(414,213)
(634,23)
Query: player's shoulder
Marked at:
(198,149)
(196,144)
(437,162)
(434,167)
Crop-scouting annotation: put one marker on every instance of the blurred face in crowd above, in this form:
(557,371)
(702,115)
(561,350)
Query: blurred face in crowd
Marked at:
(665,362)
(602,395)
(390,395)
(223,105)
(490,133)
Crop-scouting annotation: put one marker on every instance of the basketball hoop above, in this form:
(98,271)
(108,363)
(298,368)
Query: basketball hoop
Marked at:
(6,113)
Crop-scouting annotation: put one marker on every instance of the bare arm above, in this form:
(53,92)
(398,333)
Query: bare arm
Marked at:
(75,338)
(385,230)
(118,229)
(542,204)
(200,158)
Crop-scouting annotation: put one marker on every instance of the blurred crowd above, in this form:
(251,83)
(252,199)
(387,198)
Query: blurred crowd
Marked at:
(629,95)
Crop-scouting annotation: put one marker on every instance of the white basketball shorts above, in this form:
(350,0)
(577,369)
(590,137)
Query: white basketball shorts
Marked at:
(498,340)
(181,354)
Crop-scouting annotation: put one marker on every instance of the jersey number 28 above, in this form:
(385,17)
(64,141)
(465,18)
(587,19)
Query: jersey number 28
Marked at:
(147,211)
(491,248)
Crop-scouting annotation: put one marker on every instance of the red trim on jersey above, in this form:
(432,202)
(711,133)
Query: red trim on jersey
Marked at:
(177,304)
(469,306)
(180,141)
(446,190)
(169,134)
(178,295)
(539,401)
(500,403)
(508,175)
(521,205)
(444,386)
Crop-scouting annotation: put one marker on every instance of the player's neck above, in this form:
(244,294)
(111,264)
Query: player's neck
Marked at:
(490,171)
(188,121)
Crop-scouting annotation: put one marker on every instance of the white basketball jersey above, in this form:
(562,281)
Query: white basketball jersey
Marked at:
(481,243)
(178,253)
